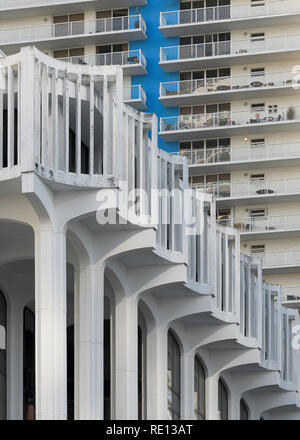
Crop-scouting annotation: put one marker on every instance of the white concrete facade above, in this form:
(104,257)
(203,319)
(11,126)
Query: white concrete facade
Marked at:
(141,299)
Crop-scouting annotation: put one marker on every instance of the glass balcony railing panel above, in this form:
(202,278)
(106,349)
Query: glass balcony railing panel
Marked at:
(233,47)
(102,25)
(227,118)
(134,93)
(108,59)
(281,258)
(205,86)
(291,293)
(266,223)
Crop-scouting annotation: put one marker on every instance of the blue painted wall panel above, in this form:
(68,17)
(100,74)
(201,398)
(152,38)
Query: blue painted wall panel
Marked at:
(151,50)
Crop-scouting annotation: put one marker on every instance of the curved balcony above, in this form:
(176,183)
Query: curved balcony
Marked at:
(223,18)
(31,8)
(277,226)
(228,53)
(257,191)
(103,30)
(229,123)
(132,61)
(229,88)
(231,158)
(135,96)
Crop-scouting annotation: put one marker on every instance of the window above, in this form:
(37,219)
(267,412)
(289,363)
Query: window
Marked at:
(110,13)
(244,411)
(257,248)
(110,48)
(222,400)
(258,107)
(257,213)
(199,390)
(257,177)
(260,71)
(257,3)
(3,337)
(205,109)
(68,53)
(259,36)
(173,377)
(69,24)
(257,142)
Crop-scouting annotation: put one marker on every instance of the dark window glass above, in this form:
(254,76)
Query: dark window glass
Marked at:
(199,390)
(173,377)
(3,338)
(222,400)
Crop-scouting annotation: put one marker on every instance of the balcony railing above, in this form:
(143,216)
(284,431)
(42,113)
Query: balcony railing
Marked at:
(11,4)
(280,258)
(242,154)
(229,118)
(135,93)
(263,224)
(250,188)
(60,30)
(291,293)
(125,59)
(231,47)
(244,10)
(228,83)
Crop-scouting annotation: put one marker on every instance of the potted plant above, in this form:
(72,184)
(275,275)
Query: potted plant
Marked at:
(290,114)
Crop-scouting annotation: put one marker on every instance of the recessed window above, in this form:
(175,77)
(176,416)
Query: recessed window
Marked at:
(257,213)
(257,249)
(174,382)
(259,36)
(257,142)
(199,390)
(255,177)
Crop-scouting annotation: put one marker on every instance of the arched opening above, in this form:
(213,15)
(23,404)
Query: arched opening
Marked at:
(199,390)
(142,367)
(107,357)
(28,364)
(29,338)
(3,337)
(174,372)
(222,400)
(244,410)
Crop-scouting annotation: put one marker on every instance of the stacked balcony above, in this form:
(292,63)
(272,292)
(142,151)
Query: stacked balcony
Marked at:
(135,96)
(229,88)
(228,17)
(224,159)
(73,34)
(31,8)
(229,53)
(291,297)
(229,123)
(256,191)
(133,62)
(255,228)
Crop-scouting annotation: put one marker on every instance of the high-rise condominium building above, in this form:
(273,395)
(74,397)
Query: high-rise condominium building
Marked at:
(117,302)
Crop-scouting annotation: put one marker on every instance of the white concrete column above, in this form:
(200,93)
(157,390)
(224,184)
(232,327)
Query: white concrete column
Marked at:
(89,304)
(50,321)
(157,370)
(15,361)
(212,398)
(126,360)
(187,401)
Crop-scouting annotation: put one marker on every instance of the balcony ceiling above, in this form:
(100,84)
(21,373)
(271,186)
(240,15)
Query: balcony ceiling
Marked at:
(59,6)
(265,235)
(229,25)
